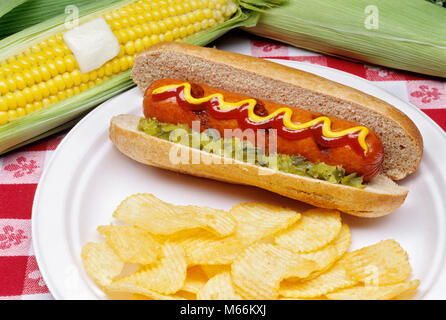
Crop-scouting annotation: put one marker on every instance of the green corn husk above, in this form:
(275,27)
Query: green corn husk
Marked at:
(32,12)
(8,5)
(38,123)
(411,34)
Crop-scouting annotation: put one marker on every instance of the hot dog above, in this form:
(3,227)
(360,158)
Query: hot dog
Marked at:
(170,106)
(339,148)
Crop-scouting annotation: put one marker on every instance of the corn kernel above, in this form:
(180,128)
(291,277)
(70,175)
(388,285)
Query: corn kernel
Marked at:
(36,75)
(70,63)
(36,92)
(46,102)
(62,95)
(133,20)
(59,51)
(29,108)
(15,67)
(6,71)
(139,46)
(38,105)
(130,48)
(146,29)
(131,34)
(20,82)
(130,61)
(123,36)
(27,93)
(28,77)
(76,76)
(52,68)
(123,64)
(176,33)
(12,115)
(44,89)
(3,117)
(60,65)
(45,73)
(21,112)
(10,101)
(138,31)
(140,18)
(67,80)
(101,72)
(108,69)
(116,66)
(20,99)
(41,59)
(190,29)
(125,23)
(3,87)
(11,84)
(148,16)
(3,105)
(60,84)
(156,15)
(76,90)
(168,36)
(52,87)
(70,93)
(53,99)
(154,39)
(154,27)
(85,77)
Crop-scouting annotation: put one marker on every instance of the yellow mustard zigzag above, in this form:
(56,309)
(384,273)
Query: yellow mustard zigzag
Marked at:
(287,113)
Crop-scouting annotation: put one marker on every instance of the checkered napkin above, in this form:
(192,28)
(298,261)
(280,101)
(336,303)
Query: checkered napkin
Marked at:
(20,170)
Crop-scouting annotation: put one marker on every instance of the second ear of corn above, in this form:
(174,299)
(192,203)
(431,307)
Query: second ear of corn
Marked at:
(45,73)
(402,34)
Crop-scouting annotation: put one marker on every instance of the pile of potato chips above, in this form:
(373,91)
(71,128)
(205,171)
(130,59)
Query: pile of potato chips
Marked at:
(254,251)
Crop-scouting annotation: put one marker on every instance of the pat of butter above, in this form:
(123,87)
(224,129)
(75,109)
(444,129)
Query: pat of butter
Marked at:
(92,43)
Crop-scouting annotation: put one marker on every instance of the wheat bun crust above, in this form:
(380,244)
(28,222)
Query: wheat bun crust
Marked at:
(403,144)
(380,197)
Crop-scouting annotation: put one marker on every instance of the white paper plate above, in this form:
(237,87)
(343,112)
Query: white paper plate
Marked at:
(87,178)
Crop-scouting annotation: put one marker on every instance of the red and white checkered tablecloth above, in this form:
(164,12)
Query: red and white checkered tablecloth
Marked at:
(20,170)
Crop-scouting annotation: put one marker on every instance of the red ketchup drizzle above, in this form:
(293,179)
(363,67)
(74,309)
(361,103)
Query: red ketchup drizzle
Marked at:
(241,115)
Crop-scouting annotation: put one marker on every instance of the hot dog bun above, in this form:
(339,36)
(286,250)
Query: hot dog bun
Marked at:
(403,145)
(380,197)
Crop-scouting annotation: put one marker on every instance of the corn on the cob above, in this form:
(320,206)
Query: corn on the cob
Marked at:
(43,87)
(404,34)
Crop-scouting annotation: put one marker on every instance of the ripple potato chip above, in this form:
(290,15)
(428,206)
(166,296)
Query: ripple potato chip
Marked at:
(315,229)
(256,221)
(328,255)
(205,249)
(131,244)
(259,269)
(218,287)
(139,291)
(380,264)
(374,292)
(196,278)
(333,279)
(159,217)
(101,262)
(166,277)
(212,270)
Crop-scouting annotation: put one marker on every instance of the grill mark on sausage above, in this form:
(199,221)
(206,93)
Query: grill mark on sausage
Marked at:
(203,117)
(259,109)
(196,91)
